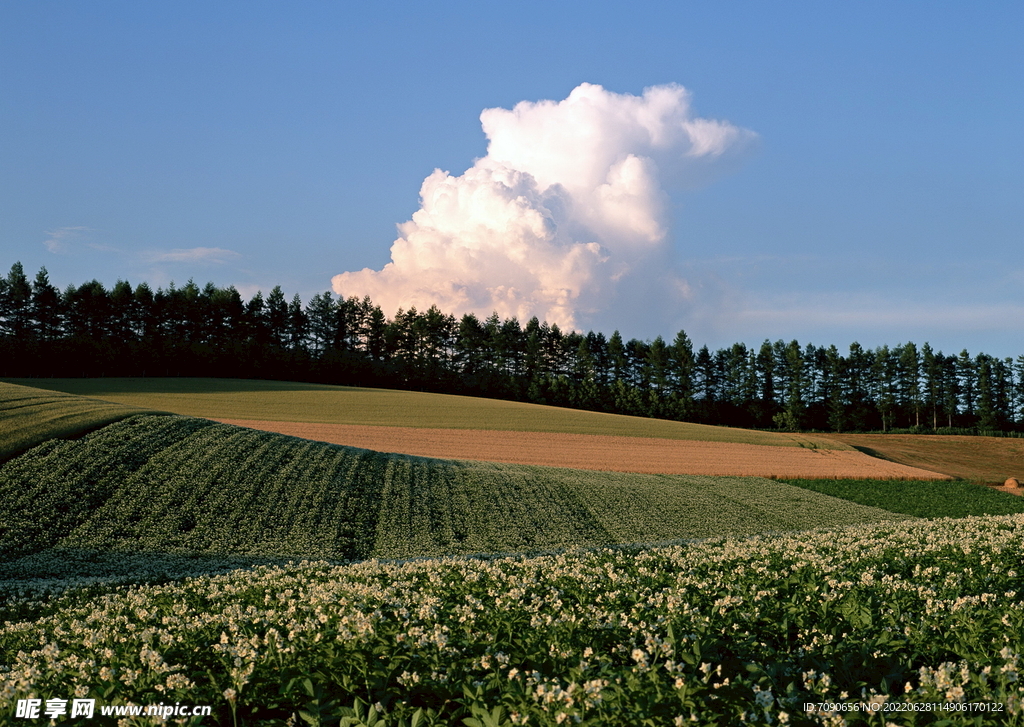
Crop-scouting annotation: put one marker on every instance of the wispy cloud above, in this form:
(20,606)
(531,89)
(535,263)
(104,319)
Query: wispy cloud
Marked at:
(209,255)
(64,239)
(820,311)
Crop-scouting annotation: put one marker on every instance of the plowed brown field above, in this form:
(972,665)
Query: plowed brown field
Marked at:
(598,452)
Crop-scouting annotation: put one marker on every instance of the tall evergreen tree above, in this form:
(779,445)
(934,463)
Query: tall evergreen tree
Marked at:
(123,322)
(859,364)
(988,418)
(617,356)
(792,416)
(836,398)
(932,370)
(277,316)
(322,322)
(16,303)
(909,378)
(950,388)
(967,376)
(298,323)
(680,374)
(256,320)
(884,371)
(46,308)
(706,378)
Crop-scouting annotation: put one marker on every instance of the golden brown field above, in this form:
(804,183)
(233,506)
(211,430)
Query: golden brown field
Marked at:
(599,452)
(989,460)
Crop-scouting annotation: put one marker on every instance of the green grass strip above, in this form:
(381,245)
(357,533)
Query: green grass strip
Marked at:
(920,498)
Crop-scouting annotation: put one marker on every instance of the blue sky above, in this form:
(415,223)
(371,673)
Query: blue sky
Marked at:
(257,144)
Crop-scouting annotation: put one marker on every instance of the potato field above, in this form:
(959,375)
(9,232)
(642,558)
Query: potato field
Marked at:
(283,581)
(169,484)
(722,632)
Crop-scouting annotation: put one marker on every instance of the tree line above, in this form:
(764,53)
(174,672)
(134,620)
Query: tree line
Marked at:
(89,330)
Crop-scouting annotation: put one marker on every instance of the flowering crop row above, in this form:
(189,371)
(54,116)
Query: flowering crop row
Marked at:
(718,632)
(168,484)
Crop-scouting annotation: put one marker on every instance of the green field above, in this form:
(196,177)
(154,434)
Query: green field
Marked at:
(171,484)
(920,498)
(30,416)
(296,402)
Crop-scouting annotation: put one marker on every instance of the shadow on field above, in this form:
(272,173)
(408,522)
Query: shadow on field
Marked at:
(165,385)
(874,453)
(53,571)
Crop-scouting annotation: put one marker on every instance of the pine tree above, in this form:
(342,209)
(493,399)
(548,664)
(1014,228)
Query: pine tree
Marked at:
(680,374)
(277,316)
(909,378)
(16,304)
(298,323)
(46,308)
(322,321)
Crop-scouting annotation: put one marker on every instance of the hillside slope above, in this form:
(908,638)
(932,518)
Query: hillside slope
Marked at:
(174,484)
(317,403)
(989,460)
(30,416)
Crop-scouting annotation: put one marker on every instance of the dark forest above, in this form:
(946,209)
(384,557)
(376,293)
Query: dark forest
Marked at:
(92,331)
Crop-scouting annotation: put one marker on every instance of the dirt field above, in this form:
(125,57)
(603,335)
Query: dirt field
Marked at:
(597,452)
(989,460)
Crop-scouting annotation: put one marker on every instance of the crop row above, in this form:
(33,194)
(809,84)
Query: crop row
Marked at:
(719,632)
(168,484)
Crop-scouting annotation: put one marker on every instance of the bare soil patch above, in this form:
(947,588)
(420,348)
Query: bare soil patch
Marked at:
(988,460)
(600,452)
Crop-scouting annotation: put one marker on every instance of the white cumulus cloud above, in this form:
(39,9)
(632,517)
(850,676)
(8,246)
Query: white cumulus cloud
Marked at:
(567,206)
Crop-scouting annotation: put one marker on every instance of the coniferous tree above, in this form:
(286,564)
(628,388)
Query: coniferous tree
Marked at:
(967,376)
(1017,411)
(322,322)
(123,322)
(836,394)
(298,323)
(469,347)
(859,364)
(147,324)
(46,307)
(884,373)
(932,371)
(988,418)
(792,416)
(277,317)
(950,388)
(16,303)
(909,382)
(680,374)
(1003,372)
(256,320)
(617,356)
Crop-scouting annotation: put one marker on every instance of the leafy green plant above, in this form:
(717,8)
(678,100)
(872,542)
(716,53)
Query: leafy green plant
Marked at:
(178,485)
(724,631)
(919,498)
